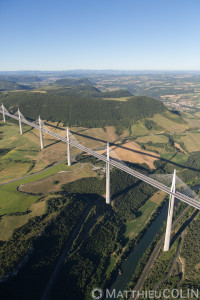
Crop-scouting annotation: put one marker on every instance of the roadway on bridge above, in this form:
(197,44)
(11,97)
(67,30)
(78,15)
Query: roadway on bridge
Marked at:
(112,162)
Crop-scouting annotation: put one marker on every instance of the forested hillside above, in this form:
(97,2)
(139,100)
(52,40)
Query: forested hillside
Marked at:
(73,82)
(11,85)
(76,108)
(41,241)
(20,79)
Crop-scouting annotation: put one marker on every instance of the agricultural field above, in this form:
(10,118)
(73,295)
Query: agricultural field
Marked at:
(47,200)
(169,124)
(94,137)
(139,129)
(132,152)
(153,139)
(54,182)
(177,91)
(118,99)
(191,140)
(16,201)
(23,152)
(23,155)
(9,223)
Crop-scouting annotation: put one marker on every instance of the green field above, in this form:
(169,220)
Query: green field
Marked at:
(180,158)
(191,141)
(118,99)
(23,155)
(169,122)
(54,182)
(139,129)
(22,152)
(153,138)
(11,138)
(12,201)
(112,263)
(9,223)
(135,226)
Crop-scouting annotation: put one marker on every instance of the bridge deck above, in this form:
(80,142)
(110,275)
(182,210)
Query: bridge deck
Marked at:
(113,163)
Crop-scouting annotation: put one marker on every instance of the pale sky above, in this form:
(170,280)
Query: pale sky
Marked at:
(99,34)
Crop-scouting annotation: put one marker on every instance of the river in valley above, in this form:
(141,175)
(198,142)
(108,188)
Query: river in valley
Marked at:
(128,267)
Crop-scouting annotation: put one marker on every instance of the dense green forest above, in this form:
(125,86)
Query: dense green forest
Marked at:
(128,193)
(77,102)
(43,238)
(82,111)
(192,168)
(190,253)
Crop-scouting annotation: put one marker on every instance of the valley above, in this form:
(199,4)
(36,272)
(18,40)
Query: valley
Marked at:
(42,199)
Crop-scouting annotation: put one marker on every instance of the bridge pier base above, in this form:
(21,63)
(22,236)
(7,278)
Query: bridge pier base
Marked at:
(20,122)
(41,137)
(108,200)
(170,214)
(68,149)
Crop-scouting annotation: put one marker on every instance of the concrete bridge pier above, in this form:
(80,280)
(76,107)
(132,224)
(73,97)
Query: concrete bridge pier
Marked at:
(20,122)
(4,117)
(108,200)
(41,137)
(170,214)
(68,149)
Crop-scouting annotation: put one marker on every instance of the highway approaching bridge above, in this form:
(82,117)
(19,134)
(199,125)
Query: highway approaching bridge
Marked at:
(110,162)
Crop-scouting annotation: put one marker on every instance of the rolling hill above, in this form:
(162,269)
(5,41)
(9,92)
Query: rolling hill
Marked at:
(84,105)
(12,85)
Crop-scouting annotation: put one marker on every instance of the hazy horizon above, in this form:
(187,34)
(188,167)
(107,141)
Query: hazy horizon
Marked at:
(102,70)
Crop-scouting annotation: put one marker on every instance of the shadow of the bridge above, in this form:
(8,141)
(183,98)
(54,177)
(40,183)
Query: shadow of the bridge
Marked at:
(51,144)
(164,160)
(126,190)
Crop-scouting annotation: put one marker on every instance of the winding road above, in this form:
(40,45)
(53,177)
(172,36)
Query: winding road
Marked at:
(27,176)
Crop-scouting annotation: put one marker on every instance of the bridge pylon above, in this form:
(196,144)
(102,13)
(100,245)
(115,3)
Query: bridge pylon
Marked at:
(68,149)
(20,122)
(170,214)
(4,117)
(108,200)
(41,137)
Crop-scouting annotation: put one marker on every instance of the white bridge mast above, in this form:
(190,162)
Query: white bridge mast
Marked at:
(41,137)
(108,176)
(170,214)
(110,162)
(20,122)
(68,149)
